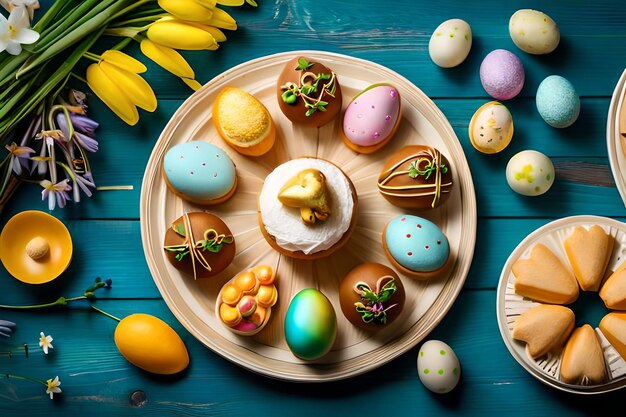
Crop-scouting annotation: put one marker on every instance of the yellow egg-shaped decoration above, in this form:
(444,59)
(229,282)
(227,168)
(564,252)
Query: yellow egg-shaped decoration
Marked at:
(151,344)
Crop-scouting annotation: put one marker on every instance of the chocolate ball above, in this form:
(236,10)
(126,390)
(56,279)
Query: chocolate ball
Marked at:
(371,296)
(308,92)
(416,177)
(209,229)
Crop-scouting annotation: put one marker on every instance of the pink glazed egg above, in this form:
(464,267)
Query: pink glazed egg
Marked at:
(371,118)
(502,74)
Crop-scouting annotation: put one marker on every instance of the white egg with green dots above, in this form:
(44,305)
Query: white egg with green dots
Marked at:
(530,173)
(438,367)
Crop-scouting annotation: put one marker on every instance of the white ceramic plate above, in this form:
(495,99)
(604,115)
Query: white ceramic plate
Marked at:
(355,351)
(613,140)
(510,305)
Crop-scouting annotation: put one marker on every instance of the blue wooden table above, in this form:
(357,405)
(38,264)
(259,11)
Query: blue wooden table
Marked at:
(97,380)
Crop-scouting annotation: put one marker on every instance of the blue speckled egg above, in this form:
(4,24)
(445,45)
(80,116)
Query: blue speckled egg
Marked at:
(416,244)
(199,171)
(310,324)
(557,101)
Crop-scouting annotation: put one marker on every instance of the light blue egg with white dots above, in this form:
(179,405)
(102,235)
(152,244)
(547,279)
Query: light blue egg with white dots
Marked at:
(557,102)
(438,366)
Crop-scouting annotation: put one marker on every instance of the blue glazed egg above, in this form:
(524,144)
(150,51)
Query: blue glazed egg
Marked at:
(557,101)
(310,324)
(199,172)
(416,244)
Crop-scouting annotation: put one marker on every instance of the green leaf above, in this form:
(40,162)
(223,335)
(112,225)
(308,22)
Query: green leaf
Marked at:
(303,64)
(289,97)
(179,228)
(323,76)
(310,111)
(252,3)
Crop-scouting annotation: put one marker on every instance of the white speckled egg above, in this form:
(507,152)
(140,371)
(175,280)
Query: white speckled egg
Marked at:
(450,43)
(530,173)
(534,32)
(438,367)
(491,128)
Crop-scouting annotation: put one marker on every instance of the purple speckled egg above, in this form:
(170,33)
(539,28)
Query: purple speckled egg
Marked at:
(502,74)
(372,115)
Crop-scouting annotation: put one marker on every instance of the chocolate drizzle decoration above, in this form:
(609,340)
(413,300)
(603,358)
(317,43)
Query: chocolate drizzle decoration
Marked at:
(425,163)
(211,241)
(372,306)
(308,88)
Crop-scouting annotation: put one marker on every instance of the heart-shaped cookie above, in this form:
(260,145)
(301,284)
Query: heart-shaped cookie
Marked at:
(583,360)
(544,278)
(613,327)
(613,292)
(544,328)
(307,191)
(589,252)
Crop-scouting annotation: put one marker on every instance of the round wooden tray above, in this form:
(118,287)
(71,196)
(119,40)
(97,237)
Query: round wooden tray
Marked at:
(615,140)
(511,305)
(355,351)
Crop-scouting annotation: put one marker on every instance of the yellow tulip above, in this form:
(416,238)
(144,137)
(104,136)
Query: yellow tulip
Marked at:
(167,58)
(207,3)
(190,10)
(215,32)
(111,95)
(120,59)
(135,88)
(222,20)
(193,84)
(178,34)
(231,2)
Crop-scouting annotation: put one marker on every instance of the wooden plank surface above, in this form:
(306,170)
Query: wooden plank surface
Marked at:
(106,231)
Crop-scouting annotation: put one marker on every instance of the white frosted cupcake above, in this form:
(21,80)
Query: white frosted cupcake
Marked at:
(284,226)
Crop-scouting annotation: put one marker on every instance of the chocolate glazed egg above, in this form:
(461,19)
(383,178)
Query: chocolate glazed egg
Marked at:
(199,244)
(308,92)
(416,177)
(371,296)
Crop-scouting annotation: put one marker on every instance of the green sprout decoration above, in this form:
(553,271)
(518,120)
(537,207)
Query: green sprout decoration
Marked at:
(308,88)
(428,168)
(372,305)
(211,241)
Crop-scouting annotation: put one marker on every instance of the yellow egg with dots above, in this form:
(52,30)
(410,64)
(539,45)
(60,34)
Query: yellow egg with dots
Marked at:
(151,344)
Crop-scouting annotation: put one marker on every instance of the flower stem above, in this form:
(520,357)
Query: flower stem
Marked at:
(61,301)
(105,313)
(92,56)
(25,378)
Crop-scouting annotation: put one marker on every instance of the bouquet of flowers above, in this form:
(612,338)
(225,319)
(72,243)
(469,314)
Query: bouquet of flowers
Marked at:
(44,124)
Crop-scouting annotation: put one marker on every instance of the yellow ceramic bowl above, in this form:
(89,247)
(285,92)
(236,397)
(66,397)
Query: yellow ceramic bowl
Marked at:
(19,231)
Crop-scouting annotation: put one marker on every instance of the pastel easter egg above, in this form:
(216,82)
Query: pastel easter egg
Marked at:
(502,74)
(199,172)
(534,32)
(530,173)
(310,324)
(416,246)
(450,43)
(491,128)
(557,102)
(438,367)
(371,118)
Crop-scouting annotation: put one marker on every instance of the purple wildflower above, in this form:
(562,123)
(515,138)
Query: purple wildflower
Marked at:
(56,193)
(19,157)
(84,128)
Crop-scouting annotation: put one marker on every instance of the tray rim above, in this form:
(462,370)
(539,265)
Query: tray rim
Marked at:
(613,142)
(450,291)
